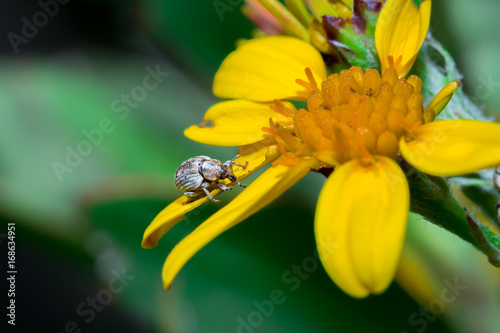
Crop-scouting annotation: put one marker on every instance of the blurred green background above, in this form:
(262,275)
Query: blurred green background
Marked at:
(79,227)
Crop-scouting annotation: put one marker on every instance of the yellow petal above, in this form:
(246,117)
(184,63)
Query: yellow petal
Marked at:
(261,192)
(257,155)
(453,147)
(235,123)
(400,31)
(360,225)
(444,96)
(169,217)
(264,69)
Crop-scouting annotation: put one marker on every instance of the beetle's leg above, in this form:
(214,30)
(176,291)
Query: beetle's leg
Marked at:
(224,187)
(204,188)
(242,185)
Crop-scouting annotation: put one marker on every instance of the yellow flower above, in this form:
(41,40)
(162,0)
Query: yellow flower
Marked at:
(356,124)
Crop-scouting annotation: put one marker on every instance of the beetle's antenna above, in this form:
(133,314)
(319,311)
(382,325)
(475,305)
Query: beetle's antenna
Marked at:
(230,164)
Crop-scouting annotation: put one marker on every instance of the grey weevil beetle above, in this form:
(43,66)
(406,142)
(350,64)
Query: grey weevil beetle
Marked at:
(196,176)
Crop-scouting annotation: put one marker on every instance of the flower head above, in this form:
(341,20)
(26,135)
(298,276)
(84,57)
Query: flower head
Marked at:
(355,128)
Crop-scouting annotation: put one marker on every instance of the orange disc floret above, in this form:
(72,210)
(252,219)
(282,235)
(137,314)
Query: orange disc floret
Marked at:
(358,114)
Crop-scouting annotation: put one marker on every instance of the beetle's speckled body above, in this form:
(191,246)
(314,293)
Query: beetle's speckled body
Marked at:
(195,175)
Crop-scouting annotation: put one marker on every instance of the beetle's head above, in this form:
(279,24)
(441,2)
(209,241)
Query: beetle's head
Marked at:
(226,172)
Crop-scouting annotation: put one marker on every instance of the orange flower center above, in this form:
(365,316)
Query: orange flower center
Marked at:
(355,114)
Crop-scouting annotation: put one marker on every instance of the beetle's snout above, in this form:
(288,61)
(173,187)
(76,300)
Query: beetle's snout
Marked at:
(227,173)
